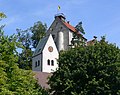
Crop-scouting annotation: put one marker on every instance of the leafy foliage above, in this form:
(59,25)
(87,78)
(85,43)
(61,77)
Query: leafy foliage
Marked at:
(80,28)
(25,61)
(91,70)
(29,39)
(38,32)
(2,15)
(78,39)
(15,81)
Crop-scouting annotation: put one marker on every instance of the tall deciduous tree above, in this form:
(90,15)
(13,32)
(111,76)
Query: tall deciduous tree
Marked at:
(15,81)
(38,31)
(24,37)
(91,70)
(29,39)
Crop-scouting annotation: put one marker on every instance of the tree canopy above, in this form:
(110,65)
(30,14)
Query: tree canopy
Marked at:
(15,81)
(29,39)
(38,32)
(90,70)
(78,38)
(79,28)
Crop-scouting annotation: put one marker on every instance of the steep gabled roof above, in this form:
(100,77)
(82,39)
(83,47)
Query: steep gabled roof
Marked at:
(41,45)
(69,26)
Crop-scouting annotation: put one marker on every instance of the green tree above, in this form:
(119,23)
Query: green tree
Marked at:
(38,32)
(91,70)
(78,38)
(24,37)
(15,81)
(80,28)
(2,15)
(29,39)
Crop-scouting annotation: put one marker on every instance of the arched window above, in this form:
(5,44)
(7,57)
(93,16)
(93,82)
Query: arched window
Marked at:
(48,62)
(52,62)
(38,62)
(53,36)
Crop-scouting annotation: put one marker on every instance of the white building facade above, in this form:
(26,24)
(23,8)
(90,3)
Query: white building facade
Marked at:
(45,56)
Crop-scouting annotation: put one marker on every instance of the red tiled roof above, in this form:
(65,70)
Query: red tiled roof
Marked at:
(42,78)
(70,27)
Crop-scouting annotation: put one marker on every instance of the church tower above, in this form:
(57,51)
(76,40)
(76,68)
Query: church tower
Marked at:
(59,32)
(58,37)
(63,32)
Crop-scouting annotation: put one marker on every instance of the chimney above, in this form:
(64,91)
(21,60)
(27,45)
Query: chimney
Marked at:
(61,16)
(94,37)
(68,22)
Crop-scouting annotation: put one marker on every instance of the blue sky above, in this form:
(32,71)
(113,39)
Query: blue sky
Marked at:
(99,17)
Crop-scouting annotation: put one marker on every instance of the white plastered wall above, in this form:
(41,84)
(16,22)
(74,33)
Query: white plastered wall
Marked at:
(70,37)
(34,60)
(50,55)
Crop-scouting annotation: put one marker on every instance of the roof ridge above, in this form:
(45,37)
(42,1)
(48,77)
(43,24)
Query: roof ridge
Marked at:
(69,26)
(41,45)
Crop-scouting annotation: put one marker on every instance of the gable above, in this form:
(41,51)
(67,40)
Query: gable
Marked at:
(66,25)
(42,43)
(56,26)
(50,44)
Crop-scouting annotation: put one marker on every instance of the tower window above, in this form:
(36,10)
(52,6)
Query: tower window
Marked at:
(61,27)
(53,36)
(51,29)
(38,62)
(48,62)
(52,62)
(56,24)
